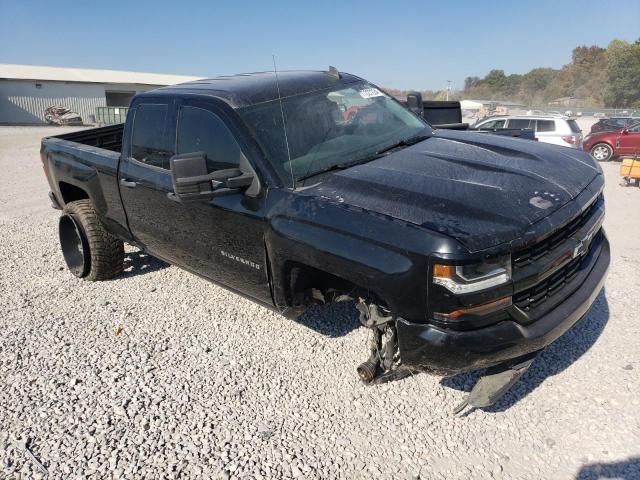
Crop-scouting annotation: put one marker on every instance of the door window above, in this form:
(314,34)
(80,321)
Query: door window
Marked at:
(150,141)
(493,124)
(519,123)
(545,126)
(635,129)
(200,130)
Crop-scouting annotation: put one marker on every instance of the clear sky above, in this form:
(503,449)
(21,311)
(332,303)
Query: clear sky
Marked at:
(418,44)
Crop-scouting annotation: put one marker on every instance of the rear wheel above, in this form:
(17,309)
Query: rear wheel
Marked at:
(602,152)
(89,251)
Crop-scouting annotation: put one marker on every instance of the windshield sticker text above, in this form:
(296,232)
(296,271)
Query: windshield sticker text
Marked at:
(370,93)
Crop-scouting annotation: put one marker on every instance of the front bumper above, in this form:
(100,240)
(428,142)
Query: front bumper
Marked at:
(451,351)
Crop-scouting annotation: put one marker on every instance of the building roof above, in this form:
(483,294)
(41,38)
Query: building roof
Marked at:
(252,88)
(87,75)
(471,105)
(498,102)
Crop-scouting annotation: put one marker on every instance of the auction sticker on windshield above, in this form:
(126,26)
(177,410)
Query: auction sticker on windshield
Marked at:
(370,93)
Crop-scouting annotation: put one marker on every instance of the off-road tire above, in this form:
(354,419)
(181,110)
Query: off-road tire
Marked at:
(602,152)
(106,251)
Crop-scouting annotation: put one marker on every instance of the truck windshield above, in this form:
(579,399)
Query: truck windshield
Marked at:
(329,129)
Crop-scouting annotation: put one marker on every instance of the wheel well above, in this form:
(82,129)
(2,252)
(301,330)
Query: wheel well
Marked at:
(71,193)
(303,279)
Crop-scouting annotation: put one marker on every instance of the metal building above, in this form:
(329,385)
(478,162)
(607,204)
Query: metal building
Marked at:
(26,91)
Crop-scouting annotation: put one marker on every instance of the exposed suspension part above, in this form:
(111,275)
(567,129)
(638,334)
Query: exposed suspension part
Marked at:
(383,364)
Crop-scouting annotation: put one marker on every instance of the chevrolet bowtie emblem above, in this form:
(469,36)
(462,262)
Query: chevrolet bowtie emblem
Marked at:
(583,245)
(581,249)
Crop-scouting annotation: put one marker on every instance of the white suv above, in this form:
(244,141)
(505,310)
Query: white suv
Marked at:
(556,129)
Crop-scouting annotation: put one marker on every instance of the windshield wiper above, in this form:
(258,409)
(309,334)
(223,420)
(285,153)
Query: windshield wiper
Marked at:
(368,158)
(404,143)
(380,153)
(342,166)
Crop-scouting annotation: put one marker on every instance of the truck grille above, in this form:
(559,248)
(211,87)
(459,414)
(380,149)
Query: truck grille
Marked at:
(534,296)
(530,254)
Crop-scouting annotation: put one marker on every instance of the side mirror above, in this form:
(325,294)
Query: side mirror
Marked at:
(192,183)
(625,131)
(415,104)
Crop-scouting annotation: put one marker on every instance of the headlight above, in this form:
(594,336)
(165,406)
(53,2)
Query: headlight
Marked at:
(473,277)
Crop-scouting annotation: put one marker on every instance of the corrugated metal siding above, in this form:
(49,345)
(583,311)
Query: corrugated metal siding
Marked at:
(23,102)
(87,75)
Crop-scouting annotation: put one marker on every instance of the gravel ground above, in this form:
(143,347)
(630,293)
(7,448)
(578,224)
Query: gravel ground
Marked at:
(159,374)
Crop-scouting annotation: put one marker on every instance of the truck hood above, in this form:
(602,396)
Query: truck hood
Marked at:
(480,189)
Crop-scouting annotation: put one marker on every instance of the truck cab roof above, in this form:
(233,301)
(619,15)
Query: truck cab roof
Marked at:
(247,89)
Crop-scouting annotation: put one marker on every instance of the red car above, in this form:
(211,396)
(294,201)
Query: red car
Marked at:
(604,146)
(613,123)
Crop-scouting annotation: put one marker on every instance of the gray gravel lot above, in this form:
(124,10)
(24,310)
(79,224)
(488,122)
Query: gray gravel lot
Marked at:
(201,383)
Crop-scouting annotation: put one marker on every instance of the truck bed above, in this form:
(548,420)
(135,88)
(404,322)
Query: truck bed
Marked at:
(108,138)
(85,163)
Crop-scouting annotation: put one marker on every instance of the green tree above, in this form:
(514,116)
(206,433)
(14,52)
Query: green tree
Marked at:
(511,86)
(538,79)
(470,82)
(496,80)
(623,71)
(585,61)
(534,83)
(588,74)
(595,76)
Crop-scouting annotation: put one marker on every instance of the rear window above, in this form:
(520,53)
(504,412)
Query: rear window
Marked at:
(545,126)
(150,142)
(573,125)
(518,123)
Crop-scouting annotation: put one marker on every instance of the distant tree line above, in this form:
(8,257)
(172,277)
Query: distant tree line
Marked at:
(603,77)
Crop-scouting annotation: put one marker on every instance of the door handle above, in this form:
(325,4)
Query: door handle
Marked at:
(128,183)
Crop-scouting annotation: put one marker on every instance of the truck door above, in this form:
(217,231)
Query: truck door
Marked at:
(629,143)
(220,239)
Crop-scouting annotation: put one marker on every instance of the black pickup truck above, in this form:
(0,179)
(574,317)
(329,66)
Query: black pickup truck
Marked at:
(460,250)
(445,114)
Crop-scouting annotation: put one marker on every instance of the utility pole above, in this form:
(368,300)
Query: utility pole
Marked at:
(448,88)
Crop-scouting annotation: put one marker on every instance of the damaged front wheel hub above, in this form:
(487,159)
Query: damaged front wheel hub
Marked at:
(383,364)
